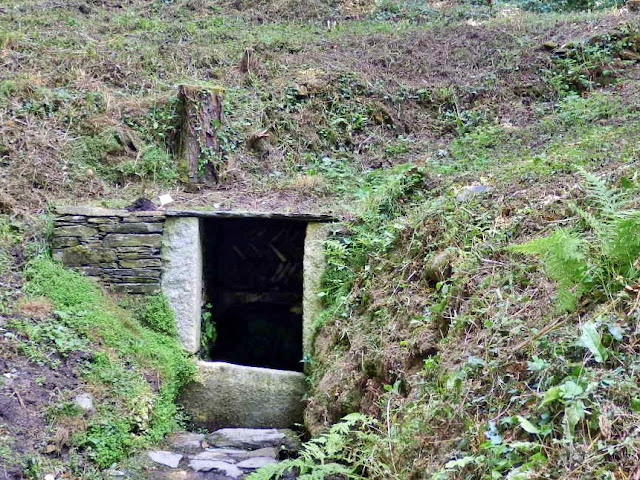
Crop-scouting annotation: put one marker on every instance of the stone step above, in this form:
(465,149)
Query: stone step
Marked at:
(253,438)
(226,454)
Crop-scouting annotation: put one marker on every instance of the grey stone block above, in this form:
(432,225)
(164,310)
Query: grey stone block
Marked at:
(227,395)
(124,240)
(100,220)
(83,255)
(182,277)
(74,231)
(140,263)
(62,242)
(131,227)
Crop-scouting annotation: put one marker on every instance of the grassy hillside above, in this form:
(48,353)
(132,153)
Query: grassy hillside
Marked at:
(481,294)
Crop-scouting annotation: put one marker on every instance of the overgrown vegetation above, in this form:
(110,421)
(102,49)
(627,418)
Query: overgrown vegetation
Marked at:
(481,296)
(115,356)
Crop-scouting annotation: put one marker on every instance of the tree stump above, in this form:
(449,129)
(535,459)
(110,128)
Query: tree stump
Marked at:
(198,146)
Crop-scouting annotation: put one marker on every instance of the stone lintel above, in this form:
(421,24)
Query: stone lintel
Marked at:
(104,212)
(301,217)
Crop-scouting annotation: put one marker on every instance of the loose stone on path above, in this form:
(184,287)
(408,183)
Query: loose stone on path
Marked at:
(186,442)
(169,459)
(256,462)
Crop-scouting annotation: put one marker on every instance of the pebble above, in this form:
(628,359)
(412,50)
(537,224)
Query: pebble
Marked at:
(471,191)
(84,402)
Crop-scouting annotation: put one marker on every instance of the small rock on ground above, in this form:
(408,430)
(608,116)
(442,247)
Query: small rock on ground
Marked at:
(84,402)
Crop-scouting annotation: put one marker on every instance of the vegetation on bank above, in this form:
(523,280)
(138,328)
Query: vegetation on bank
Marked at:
(62,321)
(478,361)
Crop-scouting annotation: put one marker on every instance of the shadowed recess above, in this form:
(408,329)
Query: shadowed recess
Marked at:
(253,271)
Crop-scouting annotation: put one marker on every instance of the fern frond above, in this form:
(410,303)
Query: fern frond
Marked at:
(610,200)
(338,453)
(564,255)
(275,471)
(590,219)
(622,243)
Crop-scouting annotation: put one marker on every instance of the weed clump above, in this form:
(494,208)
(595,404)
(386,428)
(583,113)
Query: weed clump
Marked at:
(159,316)
(600,259)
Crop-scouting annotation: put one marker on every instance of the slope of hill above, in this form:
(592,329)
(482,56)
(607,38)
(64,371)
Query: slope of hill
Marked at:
(445,133)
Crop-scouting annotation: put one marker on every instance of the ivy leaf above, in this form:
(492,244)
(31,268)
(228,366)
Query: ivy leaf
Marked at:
(527,426)
(591,340)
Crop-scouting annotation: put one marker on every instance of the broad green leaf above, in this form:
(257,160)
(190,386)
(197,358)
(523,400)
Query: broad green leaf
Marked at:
(591,340)
(524,446)
(527,426)
(463,462)
(616,332)
(573,413)
(570,390)
(551,395)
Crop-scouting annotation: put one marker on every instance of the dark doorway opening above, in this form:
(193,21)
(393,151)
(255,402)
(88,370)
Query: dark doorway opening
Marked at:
(253,273)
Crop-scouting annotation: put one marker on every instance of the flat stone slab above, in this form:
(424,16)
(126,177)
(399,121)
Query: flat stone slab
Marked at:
(304,217)
(224,454)
(261,452)
(186,442)
(225,468)
(169,459)
(182,277)
(105,212)
(227,395)
(256,462)
(252,438)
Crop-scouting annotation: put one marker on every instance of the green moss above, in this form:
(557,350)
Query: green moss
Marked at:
(159,316)
(124,355)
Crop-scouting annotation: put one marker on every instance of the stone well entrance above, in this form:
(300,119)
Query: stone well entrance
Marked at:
(243,287)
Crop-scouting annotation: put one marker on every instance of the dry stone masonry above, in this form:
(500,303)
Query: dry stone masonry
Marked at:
(148,252)
(119,248)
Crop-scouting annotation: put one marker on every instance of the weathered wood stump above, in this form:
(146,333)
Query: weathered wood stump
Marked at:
(198,146)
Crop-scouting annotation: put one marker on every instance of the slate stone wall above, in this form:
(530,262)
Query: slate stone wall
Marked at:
(120,248)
